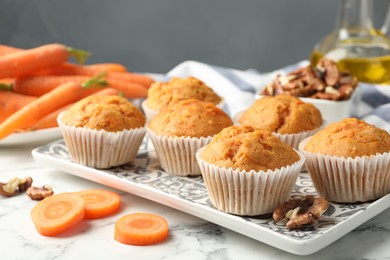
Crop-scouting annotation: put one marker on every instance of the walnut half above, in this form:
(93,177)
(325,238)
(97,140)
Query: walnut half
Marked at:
(15,185)
(301,211)
(39,193)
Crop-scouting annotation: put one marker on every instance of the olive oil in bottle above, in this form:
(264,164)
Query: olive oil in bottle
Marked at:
(374,70)
(356,45)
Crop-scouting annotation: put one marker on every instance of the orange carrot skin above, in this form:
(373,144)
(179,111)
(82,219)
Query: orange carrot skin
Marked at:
(50,120)
(39,85)
(5,49)
(58,213)
(109,67)
(129,89)
(31,113)
(23,62)
(144,80)
(141,229)
(82,70)
(114,72)
(11,102)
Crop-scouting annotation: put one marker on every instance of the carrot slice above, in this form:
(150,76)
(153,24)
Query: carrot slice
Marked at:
(141,229)
(99,203)
(58,213)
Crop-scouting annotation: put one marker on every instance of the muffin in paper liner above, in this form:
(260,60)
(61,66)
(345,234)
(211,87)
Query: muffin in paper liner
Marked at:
(177,154)
(99,148)
(292,140)
(151,113)
(348,180)
(248,193)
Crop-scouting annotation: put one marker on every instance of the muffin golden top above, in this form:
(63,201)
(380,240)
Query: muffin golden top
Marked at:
(110,113)
(190,117)
(244,148)
(282,114)
(349,138)
(162,94)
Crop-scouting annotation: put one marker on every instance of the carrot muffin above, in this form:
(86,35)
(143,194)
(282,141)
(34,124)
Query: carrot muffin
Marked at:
(102,131)
(248,171)
(288,117)
(178,131)
(348,161)
(163,94)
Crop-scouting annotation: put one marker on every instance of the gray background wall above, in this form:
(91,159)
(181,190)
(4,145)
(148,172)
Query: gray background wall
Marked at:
(156,35)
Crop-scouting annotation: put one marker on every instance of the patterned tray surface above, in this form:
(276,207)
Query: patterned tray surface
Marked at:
(145,173)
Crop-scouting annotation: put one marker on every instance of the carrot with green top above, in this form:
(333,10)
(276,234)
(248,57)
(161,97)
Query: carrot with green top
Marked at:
(11,102)
(39,85)
(99,203)
(31,113)
(58,213)
(50,120)
(26,61)
(141,229)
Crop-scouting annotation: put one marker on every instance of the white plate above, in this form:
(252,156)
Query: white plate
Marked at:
(32,138)
(145,178)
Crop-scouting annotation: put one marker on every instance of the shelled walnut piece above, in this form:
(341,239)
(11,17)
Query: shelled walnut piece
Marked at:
(39,193)
(15,185)
(324,81)
(301,211)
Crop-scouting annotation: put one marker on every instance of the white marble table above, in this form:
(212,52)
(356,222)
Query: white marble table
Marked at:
(189,237)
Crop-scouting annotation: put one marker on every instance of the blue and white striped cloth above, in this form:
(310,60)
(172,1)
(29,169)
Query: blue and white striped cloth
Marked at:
(239,88)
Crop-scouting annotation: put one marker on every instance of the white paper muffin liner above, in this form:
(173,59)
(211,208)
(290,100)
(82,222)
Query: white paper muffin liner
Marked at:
(99,148)
(248,193)
(177,154)
(348,180)
(293,140)
(151,113)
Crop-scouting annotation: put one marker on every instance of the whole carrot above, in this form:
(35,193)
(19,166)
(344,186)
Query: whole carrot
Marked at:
(50,120)
(23,62)
(112,71)
(31,113)
(83,70)
(12,102)
(39,85)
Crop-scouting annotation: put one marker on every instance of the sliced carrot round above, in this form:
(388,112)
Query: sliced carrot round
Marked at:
(58,213)
(99,203)
(141,229)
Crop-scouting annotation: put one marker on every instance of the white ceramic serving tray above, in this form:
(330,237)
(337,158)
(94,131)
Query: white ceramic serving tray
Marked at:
(145,178)
(37,137)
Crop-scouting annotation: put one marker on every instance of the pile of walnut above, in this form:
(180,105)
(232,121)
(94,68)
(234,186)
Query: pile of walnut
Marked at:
(300,212)
(17,185)
(324,81)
